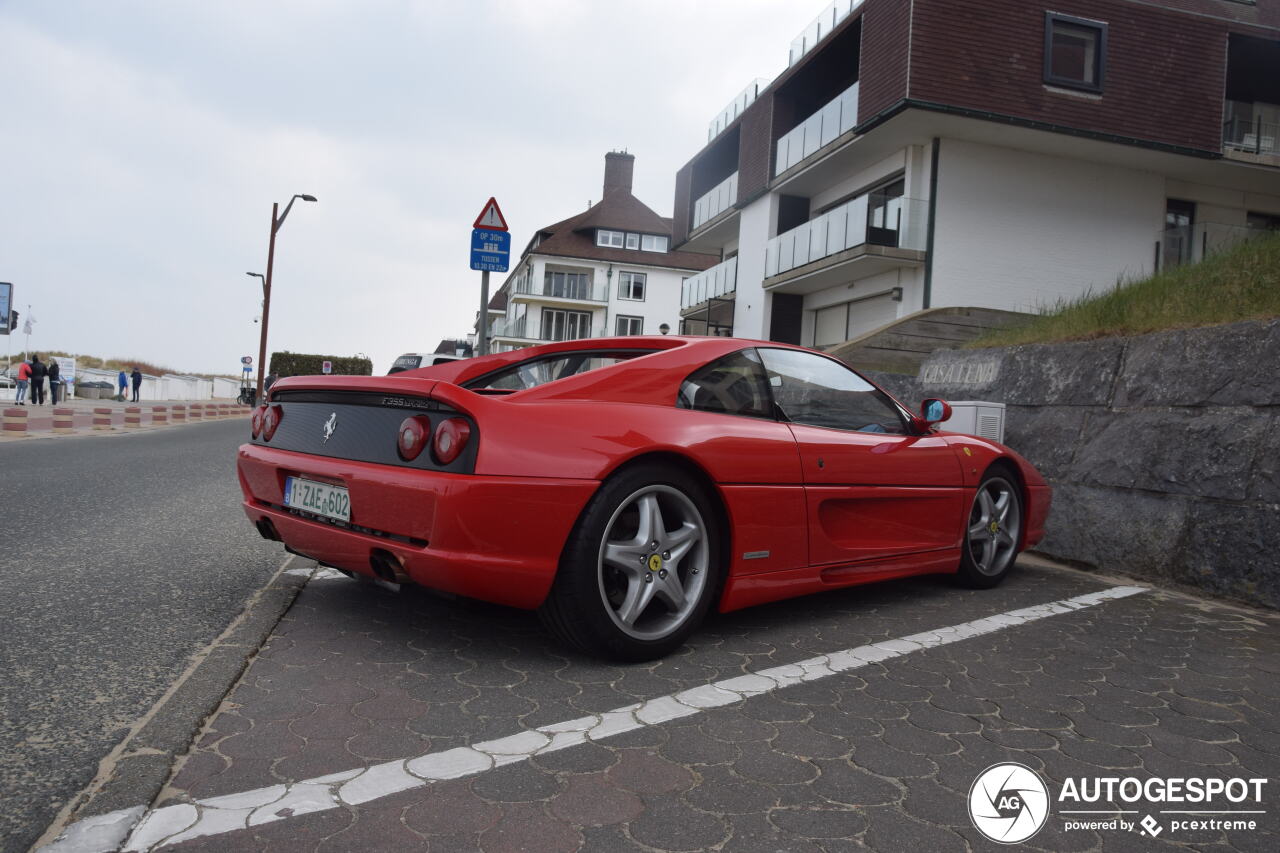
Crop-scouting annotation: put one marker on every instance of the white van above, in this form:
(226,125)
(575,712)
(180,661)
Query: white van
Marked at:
(413,360)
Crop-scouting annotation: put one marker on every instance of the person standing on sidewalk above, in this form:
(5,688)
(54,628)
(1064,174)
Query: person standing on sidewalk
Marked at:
(136,376)
(122,382)
(55,380)
(38,374)
(24,379)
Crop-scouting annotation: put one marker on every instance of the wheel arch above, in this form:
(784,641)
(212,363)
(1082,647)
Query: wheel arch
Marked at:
(687,465)
(1010,466)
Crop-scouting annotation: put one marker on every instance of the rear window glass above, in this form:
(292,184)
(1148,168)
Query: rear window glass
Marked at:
(733,385)
(540,371)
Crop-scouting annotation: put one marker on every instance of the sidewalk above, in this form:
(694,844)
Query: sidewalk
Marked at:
(40,418)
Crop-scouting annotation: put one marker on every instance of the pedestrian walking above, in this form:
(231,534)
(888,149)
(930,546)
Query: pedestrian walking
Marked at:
(38,374)
(122,382)
(55,381)
(136,376)
(24,379)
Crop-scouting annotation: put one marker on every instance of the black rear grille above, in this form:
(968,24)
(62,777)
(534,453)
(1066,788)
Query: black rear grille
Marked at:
(362,426)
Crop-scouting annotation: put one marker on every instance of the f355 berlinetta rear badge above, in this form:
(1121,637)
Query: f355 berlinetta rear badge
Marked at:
(329,426)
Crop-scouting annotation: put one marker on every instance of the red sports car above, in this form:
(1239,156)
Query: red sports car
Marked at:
(624,486)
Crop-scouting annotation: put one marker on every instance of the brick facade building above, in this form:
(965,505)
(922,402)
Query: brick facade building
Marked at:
(993,153)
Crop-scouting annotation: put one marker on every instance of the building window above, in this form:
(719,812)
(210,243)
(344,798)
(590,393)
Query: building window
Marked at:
(1074,52)
(653,243)
(629,325)
(567,285)
(565,325)
(613,239)
(631,286)
(633,241)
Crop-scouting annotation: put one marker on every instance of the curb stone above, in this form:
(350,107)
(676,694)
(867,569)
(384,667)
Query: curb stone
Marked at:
(143,761)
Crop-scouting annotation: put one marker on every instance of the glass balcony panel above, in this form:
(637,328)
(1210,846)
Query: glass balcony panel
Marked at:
(820,28)
(787,251)
(771,257)
(802,244)
(818,237)
(838,116)
(830,122)
(721,197)
(837,221)
(897,222)
(717,281)
(849,109)
(812,134)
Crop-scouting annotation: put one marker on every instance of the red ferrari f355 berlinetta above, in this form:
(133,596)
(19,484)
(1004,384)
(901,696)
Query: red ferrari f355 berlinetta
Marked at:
(624,486)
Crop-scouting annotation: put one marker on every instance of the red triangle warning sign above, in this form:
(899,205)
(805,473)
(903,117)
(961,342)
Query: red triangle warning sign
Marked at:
(491,217)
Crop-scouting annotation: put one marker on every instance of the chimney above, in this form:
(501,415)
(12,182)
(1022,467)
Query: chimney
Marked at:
(618,166)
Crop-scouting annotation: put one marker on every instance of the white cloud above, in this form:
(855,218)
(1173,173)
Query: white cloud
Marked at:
(145,142)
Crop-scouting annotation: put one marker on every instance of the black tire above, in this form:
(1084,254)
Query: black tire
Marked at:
(988,552)
(598,603)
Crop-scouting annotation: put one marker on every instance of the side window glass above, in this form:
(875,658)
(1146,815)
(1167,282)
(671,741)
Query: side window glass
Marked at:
(810,389)
(733,385)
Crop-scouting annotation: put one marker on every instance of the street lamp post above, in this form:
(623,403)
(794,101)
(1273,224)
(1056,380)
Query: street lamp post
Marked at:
(276,222)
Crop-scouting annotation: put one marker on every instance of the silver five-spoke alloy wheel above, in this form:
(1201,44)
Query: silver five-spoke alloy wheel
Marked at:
(653,562)
(995,526)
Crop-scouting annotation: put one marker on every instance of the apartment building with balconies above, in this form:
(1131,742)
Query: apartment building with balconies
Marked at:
(1000,154)
(609,270)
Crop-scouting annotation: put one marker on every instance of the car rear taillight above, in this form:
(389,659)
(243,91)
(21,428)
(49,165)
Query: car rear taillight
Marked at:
(255,422)
(413,436)
(270,420)
(451,439)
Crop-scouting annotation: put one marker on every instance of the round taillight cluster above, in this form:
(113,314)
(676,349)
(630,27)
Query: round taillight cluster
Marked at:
(451,440)
(413,436)
(271,420)
(255,421)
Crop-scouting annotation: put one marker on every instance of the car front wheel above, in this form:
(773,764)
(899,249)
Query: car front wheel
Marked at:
(641,569)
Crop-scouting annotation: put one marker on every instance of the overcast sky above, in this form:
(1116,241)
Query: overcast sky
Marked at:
(143,144)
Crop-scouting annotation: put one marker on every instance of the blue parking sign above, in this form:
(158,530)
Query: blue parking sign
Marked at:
(490,250)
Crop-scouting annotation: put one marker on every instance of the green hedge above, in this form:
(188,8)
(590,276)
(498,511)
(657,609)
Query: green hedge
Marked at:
(303,364)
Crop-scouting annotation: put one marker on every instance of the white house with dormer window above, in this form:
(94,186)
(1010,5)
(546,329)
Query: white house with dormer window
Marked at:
(607,271)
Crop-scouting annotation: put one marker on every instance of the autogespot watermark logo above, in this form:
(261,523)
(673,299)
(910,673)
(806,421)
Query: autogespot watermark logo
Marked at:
(1008,803)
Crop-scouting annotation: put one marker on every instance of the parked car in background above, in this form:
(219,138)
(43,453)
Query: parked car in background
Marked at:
(625,486)
(414,360)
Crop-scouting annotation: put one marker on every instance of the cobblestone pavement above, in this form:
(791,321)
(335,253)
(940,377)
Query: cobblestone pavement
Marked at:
(881,757)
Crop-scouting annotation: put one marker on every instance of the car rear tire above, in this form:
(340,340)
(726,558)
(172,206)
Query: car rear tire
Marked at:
(641,568)
(993,530)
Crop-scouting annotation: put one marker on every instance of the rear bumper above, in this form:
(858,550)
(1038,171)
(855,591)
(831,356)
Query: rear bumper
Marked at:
(498,539)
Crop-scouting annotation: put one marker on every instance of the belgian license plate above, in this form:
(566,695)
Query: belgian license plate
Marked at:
(320,498)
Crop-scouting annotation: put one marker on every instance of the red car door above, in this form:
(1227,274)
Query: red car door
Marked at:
(872,490)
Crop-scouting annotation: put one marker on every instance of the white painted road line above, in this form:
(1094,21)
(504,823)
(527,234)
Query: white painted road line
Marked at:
(219,815)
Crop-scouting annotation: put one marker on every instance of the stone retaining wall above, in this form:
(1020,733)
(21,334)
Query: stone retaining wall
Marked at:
(1163,449)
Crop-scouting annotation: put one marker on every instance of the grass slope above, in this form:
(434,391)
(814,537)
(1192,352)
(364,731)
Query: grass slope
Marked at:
(1240,284)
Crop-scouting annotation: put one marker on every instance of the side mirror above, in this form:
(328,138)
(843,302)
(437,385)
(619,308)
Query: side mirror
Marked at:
(932,411)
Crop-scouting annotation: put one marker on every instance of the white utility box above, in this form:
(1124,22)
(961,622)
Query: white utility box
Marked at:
(976,417)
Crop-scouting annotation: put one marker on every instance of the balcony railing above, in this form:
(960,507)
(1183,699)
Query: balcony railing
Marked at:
(895,222)
(720,199)
(1191,243)
(717,281)
(522,329)
(586,292)
(1254,137)
(840,115)
(736,107)
(820,28)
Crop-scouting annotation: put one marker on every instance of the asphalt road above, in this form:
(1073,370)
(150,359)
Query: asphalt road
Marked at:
(123,555)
